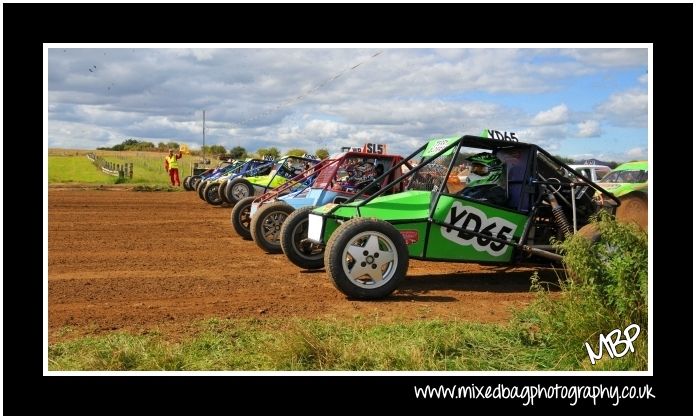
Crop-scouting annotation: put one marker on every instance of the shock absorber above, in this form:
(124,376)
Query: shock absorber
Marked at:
(559,216)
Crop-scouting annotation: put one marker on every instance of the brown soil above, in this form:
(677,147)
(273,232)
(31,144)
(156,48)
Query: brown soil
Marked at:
(143,261)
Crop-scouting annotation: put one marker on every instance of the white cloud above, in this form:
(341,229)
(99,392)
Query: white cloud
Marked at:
(292,97)
(589,128)
(79,135)
(609,57)
(637,153)
(548,137)
(554,116)
(629,108)
(201,54)
(643,79)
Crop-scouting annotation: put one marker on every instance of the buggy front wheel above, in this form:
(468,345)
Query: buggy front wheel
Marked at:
(238,189)
(266,224)
(366,258)
(240,217)
(293,240)
(211,193)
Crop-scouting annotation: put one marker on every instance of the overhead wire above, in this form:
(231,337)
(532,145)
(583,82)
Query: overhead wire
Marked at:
(305,94)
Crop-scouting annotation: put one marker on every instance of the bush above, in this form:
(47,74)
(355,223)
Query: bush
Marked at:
(615,270)
(606,288)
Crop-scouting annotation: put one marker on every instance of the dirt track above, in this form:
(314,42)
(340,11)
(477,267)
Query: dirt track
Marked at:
(137,261)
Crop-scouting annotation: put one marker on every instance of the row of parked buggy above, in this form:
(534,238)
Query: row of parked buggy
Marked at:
(362,216)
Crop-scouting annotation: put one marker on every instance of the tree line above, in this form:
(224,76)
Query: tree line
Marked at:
(237,152)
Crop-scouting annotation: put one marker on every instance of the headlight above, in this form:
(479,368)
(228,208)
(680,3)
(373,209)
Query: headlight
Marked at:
(316,223)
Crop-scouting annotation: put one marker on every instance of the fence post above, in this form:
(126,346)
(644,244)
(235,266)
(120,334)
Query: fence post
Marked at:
(130,170)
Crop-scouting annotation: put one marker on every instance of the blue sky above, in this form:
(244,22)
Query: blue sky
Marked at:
(576,102)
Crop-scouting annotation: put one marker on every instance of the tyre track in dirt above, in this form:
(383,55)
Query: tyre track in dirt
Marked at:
(143,261)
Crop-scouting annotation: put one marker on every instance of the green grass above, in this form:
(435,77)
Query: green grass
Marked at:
(69,169)
(326,345)
(148,167)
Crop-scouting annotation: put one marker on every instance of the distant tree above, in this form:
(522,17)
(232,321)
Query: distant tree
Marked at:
(173,145)
(161,146)
(322,153)
(270,151)
(133,144)
(238,152)
(125,145)
(141,146)
(214,149)
(296,152)
(217,149)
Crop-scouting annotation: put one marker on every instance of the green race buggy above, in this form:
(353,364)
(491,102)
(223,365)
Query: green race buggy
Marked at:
(470,199)
(629,182)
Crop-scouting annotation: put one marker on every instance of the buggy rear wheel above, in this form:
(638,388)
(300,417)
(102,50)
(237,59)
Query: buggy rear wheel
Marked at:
(633,209)
(590,232)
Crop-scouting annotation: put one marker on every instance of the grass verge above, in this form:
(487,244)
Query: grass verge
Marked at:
(72,169)
(307,345)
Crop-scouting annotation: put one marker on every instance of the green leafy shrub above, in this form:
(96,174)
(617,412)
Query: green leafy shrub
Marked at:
(605,288)
(615,269)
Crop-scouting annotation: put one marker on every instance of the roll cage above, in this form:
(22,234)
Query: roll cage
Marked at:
(537,185)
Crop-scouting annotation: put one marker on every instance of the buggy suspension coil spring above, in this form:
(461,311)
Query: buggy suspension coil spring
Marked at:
(559,216)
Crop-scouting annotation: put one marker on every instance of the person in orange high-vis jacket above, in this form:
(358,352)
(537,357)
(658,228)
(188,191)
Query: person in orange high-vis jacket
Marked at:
(171,165)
